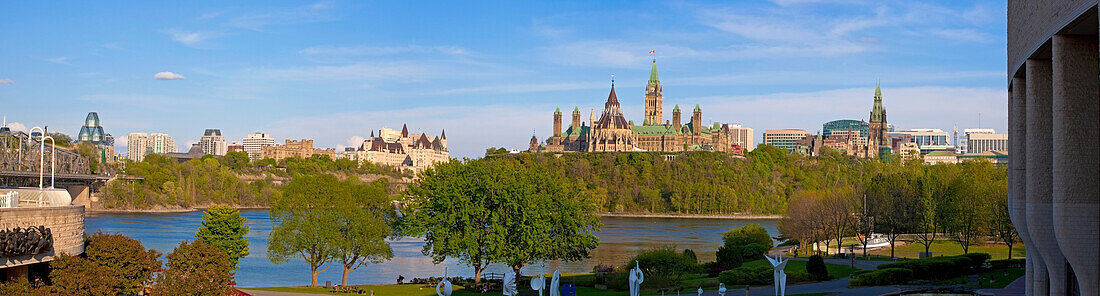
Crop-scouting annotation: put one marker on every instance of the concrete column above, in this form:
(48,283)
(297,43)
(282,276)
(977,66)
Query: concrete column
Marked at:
(1017,164)
(1076,170)
(1040,224)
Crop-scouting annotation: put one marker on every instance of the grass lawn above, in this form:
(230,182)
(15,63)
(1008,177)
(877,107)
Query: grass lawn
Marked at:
(1000,278)
(950,248)
(835,270)
(417,290)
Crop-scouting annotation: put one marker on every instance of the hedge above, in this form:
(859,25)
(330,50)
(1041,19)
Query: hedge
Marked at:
(937,268)
(882,277)
(1006,263)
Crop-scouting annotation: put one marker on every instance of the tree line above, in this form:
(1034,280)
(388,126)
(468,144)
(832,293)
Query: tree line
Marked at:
(965,203)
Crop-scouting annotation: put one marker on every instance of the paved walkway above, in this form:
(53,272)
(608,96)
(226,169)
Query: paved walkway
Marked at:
(1016,288)
(269,293)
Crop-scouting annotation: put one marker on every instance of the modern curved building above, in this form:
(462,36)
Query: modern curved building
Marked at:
(1054,127)
(844,125)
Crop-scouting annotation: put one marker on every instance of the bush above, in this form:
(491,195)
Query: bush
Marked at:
(742,244)
(72,275)
(1006,263)
(977,259)
(817,269)
(747,234)
(727,257)
(748,275)
(882,277)
(753,251)
(663,266)
(195,268)
(935,268)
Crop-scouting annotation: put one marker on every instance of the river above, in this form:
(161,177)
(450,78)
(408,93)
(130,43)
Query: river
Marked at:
(620,239)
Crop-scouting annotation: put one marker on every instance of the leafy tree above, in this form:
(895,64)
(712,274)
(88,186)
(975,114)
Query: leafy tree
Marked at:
(1001,224)
(969,201)
(817,268)
(495,151)
(663,266)
(748,242)
(235,160)
(61,139)
(73,275)
(365,217)
(306,223)
(891,200)
(223,227)
(196,268)
(124,258)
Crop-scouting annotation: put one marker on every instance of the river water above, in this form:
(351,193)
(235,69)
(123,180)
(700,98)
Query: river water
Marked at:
(620,239)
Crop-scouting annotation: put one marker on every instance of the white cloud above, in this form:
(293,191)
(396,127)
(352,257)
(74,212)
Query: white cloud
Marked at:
(6,81)
(17,127)
(168,76)
(59,60)
(355,141)
(968,35)
(193,39)
(317,12)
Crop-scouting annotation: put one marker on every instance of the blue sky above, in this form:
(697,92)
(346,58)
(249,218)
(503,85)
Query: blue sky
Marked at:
(491,73)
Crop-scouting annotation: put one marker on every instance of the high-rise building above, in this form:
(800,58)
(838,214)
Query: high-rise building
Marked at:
(213,143)
(784,138)
(982,140)
(141,144)
(254,143)
(741,136)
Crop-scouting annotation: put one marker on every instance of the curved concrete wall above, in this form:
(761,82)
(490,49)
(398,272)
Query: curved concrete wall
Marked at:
(66,223)
(1040,224)
(1032,23)
(1017,189)
(1076,127)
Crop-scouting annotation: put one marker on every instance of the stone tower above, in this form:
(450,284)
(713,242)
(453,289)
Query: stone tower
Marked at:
(653,99)
(557,123)
(697,121)
(576,118)
(676,117)
(877,124)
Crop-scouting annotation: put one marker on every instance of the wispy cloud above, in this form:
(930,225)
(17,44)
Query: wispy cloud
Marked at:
(361,71)
(342,54)
(967,35)
(317,12)
(168,76)
(193,39)
(130,99)
(6,81)
(521,88)
(59,60)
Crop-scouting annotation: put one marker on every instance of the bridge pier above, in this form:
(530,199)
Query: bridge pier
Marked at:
(81,194)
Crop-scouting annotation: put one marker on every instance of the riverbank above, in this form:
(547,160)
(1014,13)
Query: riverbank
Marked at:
(91,210)
(695,216)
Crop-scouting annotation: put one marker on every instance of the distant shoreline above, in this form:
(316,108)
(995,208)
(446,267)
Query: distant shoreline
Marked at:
(615,215)
(695,216)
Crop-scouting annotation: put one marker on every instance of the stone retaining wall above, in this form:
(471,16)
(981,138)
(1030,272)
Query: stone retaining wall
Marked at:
(66,223)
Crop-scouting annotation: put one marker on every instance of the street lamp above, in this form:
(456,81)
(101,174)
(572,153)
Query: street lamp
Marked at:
(41,154)
(53,157)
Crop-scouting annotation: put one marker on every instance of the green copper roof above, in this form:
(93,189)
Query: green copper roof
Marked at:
(650,130)
(676,108)
(877,111)
(576,131)
(557,110)
(576,110)
(697,109)
(653,74)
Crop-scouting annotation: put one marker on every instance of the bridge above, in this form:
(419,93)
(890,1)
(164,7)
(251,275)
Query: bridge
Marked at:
(25,161)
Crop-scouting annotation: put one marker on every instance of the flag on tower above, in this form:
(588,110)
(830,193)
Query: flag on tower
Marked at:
(652,51)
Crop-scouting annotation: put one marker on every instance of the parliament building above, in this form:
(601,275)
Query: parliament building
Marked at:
(612,132)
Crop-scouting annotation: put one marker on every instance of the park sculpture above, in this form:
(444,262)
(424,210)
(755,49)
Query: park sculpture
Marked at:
(555,282)
(780,276)
(721,289)
(538,283)
(700,291)
(510,284)
(636,279)
(445,284)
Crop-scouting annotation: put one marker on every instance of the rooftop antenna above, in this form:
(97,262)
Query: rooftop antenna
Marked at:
(612,80)
(979,119)
(653,55)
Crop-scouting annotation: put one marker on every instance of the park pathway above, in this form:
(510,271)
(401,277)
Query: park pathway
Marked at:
(270,293)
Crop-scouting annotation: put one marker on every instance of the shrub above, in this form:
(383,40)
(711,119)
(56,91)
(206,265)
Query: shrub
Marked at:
(747,234)
(16,287)
(799,276)
(1006,263)
(935,268)
(72,275)
(817,269)
(125,257)
(620,281)
(195,268)
(728,257)
(753,251)
(663,266)
(882,277)
(690,255)
(977,259)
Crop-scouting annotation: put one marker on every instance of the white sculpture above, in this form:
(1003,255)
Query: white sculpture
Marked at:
(555,283)
(445,284)
(721,289)
(636,279)
(510,284)
(780,276)
(700,291)
(538,283)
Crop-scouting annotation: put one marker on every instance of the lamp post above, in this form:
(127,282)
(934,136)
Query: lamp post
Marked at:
(53,156)
(41,154)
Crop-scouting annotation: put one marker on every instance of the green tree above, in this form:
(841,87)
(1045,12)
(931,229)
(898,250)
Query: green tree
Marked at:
(891,201)
(365,217)
(126,259)
(970,199)
(223,227)
(306,223)
(73,275)
(195,268)
(236,160)
(452,208)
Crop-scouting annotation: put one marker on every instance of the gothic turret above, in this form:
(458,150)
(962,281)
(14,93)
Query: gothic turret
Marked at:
(576,118)
(877,123)
(697,120)
(676,117)
(653,99)
(557,127)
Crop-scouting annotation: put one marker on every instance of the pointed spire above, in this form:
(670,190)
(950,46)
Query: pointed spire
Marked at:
(612,99)
(653,74)
(697,109)
(576,110)
(557,110)
(443,134)
(676,108)
(372,134)
(404,130)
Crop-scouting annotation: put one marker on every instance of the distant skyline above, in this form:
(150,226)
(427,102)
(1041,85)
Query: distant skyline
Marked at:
(492,73)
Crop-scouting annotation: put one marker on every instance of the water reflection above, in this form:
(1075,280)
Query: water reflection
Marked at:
(620,239)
